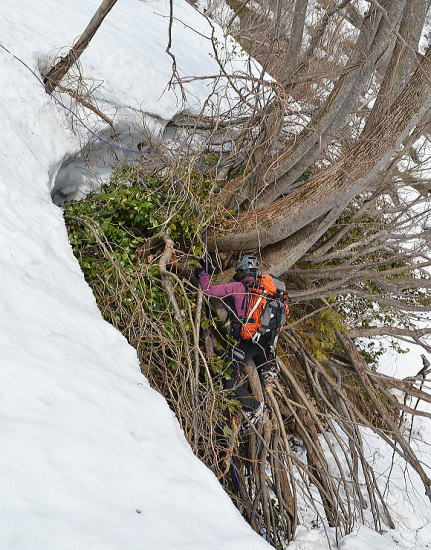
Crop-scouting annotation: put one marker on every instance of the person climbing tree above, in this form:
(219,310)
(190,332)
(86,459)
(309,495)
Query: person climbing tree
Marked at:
(258,311)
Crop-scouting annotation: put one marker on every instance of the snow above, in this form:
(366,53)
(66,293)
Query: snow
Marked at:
(127,65)
(91,456)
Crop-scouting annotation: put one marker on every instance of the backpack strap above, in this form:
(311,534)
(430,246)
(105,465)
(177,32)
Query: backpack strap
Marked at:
(256,305)
(246,299)
(236,320)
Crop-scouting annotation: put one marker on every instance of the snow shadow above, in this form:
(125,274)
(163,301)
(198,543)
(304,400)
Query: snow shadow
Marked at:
(86,170)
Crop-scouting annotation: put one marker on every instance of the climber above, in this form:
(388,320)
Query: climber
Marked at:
(260,351)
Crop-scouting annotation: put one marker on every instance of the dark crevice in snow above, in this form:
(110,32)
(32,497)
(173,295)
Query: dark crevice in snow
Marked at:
(74,180)
(84,171)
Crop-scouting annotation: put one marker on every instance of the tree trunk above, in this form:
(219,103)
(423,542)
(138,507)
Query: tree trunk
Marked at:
(337,185)
(375,38)
(403,60)
(295,40)
(58,71)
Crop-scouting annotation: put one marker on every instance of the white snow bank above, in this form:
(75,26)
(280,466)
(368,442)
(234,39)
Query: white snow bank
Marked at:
(91,457)
(127,63)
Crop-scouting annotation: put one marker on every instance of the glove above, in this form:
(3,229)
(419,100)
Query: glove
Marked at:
(199,271)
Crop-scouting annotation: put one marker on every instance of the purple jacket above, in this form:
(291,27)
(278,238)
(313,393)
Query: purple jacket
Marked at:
(235,289)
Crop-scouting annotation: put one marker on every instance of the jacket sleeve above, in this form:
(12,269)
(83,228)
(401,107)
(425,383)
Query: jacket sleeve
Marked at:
(220,291)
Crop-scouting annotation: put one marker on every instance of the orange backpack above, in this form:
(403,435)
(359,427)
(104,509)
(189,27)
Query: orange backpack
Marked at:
(267,309)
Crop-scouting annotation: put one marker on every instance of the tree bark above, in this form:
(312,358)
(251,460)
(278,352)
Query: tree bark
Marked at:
(338,184)
(59,70)
(316,37)
(403,59)
(388,331)
(376,37)
(294,160)
(279,257)
(295,40)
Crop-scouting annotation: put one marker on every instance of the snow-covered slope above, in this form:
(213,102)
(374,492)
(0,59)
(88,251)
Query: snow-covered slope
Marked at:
(91,457)
(128,69)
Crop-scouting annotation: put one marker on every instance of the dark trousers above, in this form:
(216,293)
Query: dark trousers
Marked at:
(247,352)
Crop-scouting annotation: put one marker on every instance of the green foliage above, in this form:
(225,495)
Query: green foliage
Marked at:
(321,330)
(211,159)
(360,393)
(128,211)
(109,232)
(371,351)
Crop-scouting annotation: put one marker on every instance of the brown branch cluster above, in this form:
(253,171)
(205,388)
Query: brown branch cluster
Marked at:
(324,174)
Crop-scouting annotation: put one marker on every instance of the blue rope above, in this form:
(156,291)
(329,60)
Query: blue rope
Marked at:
(100,138)
(206,250)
